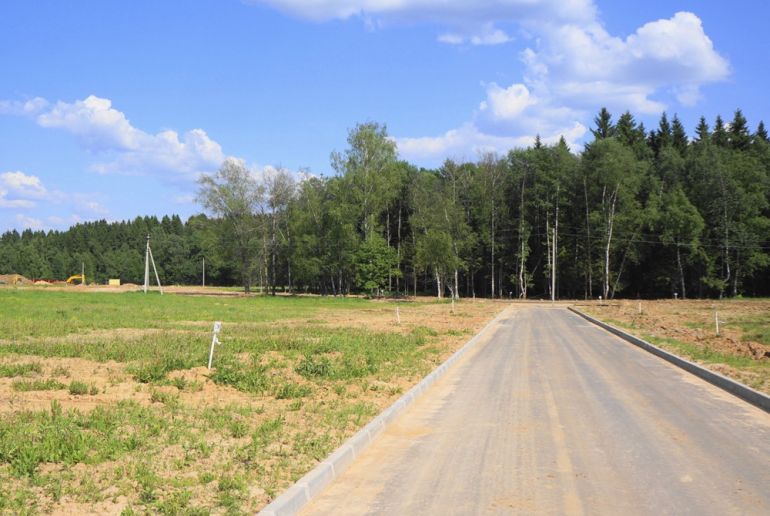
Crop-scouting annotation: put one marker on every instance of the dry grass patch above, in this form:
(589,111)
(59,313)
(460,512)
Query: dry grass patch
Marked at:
(688,328)
(140,424)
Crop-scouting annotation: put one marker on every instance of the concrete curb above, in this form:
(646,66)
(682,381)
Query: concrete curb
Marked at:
(748,394)
(306,488)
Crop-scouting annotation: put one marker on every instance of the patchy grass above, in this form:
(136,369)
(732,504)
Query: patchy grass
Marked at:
(109,408)
(13,370)
(37,385)
(688,328)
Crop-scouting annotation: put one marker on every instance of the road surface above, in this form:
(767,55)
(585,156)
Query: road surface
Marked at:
(552,415)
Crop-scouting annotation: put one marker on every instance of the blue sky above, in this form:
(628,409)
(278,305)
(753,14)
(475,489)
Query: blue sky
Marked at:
(109,110)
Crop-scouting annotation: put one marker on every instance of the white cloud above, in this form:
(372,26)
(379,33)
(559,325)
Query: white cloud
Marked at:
(584,66)
(23,184)
(14,203)
(19,190)
(119,146)
(95,123)
(26,222)
(506,103)
(474,22)
(488,34)
(572,65)
(184,199)
(468,142)
(488,10)
(18,108)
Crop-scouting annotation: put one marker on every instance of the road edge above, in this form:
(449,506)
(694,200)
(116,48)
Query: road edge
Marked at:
(306,488)
(744,392)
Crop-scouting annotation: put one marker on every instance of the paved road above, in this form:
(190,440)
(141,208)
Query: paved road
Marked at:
(552,415)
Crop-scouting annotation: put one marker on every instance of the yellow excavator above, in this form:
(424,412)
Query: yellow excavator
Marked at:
(81,277)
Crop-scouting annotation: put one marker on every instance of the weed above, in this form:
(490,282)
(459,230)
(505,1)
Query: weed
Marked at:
(78,388)
(251,378)
(179,382)
(37,385)
(238,428)
(12,370)
(291,390)
(60,371)
(167,398)
(314,367)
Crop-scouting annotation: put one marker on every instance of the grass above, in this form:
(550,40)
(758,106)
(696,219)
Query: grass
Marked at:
(287,387)
(687,328)
(13,370)
(37,385)
(756,328)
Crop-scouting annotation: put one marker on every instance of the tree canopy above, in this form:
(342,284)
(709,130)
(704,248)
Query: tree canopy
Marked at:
(635,214)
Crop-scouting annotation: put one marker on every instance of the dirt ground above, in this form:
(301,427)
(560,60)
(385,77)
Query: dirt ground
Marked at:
(111,382)
(693,322)
(115,384)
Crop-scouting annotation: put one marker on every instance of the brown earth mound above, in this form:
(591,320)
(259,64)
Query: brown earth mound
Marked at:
(14,279)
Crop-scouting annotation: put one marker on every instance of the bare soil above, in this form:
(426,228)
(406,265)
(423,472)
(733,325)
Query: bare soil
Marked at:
(105,488)
(693,322)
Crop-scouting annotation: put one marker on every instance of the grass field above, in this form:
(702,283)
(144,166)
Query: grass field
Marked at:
(688,328)
(106,405)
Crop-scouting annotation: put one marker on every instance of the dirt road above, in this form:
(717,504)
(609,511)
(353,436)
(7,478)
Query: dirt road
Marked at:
(553,415)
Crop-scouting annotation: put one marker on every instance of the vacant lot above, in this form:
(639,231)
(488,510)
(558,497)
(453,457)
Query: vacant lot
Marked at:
(688,328)
(106,404)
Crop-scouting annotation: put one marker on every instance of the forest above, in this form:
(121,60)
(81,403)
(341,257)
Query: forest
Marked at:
(635,214)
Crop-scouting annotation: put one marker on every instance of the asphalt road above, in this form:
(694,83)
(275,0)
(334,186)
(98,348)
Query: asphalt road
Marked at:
(552,415)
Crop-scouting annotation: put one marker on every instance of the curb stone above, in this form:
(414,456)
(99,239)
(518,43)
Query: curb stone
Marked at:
(756,398)
(306,488)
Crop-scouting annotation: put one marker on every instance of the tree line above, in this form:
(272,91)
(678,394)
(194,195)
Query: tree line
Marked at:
(637,213)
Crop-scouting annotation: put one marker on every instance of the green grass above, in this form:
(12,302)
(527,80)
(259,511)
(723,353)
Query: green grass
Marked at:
(705,354)
(268,441)
(756,328)
(32,313)
(13,370)
(37,385)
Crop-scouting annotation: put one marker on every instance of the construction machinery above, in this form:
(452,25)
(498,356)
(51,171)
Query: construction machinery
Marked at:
(81,277)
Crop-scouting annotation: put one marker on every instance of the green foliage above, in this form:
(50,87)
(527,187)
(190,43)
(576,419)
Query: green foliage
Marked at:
(12,370)
(37,385)
(484,227)
(375,262)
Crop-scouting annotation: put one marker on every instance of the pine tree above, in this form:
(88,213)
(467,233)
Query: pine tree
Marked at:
(604,128)
(678,136)
(719,137)
(702,133)
(761,133)
(739,137)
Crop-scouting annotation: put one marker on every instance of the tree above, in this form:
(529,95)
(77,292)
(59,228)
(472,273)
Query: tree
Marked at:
(680,225)
(615,176)
(280,187)
(367,168)
(604,128)
(234,195)
(375,261)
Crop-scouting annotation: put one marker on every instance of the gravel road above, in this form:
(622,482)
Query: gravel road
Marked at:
(552,415)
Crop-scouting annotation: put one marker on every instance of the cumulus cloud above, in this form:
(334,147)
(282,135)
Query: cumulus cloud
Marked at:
(19,108)
(572,65)
(468,142)
(473,22)
(586,66)
(19,190)
(27,222)
(488,34)
(23,184)
(120,147)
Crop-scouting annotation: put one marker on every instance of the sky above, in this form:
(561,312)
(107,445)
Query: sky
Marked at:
(112,109)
